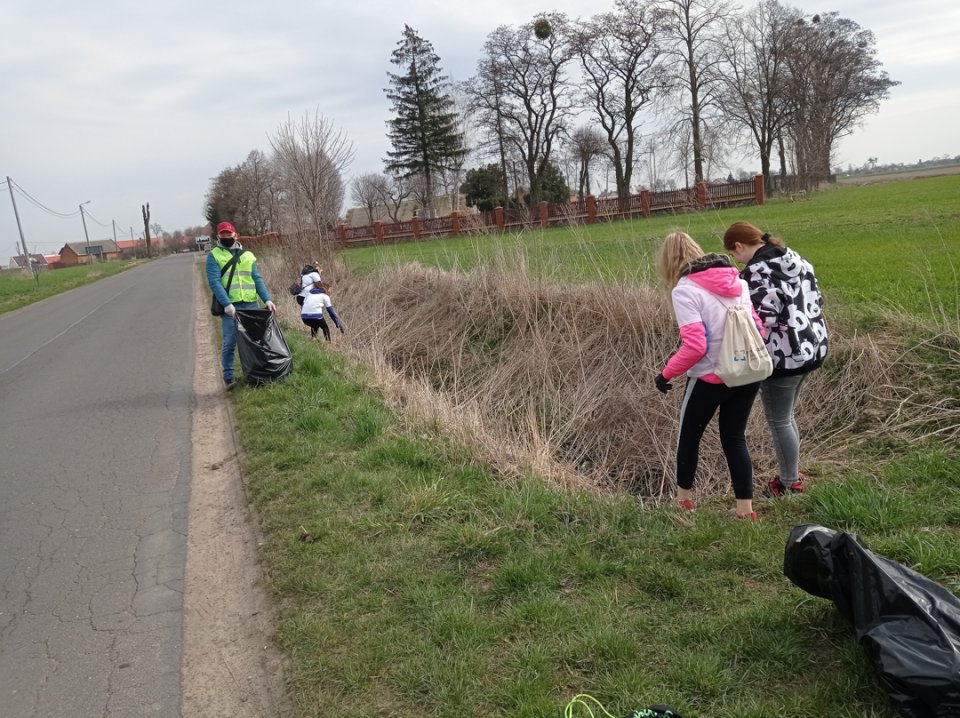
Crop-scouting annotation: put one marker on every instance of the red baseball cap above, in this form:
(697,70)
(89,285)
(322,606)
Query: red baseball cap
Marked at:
(226,227)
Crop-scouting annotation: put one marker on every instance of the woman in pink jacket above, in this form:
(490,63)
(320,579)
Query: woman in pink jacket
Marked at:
(697,282)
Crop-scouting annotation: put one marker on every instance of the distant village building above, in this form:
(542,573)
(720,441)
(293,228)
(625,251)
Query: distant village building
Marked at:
(32,261)
(443,206)
(103,250)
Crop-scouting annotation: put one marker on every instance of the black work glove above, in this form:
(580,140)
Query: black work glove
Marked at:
(663,386)
(341,327)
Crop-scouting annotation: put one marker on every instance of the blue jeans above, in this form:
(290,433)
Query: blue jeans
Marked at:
(229,326)
(779,397)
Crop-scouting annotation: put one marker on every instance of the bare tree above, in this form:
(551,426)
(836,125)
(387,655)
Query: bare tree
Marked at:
(226,200)
(262,190)
(622,70)
(520,93)
(586,145)
(450,178)
(393,192)
(312,156)
(693,25)
(366,191)
(835,80)
(755,73)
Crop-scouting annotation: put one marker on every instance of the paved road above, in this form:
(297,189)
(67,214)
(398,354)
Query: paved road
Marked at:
(95,447)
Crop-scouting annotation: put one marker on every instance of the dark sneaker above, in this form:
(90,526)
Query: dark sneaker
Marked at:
(231,385)
(776,490)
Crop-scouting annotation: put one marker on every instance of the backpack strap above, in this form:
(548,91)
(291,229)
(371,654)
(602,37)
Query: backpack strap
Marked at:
(233,268)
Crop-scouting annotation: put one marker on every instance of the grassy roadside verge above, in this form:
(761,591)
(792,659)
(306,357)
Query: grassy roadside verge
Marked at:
(432,588)
(19,290)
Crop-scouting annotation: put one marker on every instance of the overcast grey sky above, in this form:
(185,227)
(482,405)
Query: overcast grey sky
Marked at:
(123,103)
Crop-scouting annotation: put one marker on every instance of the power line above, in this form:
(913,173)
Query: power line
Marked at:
(87,212)
(40,204)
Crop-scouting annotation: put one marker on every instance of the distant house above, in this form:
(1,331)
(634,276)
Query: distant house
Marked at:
(136,248)
(103,250)
(32,261)
(443,206)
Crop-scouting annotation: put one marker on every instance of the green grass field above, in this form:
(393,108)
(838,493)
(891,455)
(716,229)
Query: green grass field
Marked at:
(874,247)
(19,290)
(431,587)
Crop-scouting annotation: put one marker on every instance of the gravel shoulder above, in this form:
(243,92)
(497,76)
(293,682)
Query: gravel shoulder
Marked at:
(231,665)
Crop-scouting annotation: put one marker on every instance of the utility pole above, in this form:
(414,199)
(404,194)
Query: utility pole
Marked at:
(114,223)
(26,254)
(84,220)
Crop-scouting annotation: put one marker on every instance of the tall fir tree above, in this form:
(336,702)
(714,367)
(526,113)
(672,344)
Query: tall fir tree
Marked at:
(424,133)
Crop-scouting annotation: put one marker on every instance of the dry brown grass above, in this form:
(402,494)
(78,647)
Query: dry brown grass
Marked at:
(558,379)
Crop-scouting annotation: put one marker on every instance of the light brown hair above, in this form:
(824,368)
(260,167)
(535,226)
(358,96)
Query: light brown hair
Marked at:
(748,235)
(677,251)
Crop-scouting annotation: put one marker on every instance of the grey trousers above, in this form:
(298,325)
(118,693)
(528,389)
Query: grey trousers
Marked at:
(779,398)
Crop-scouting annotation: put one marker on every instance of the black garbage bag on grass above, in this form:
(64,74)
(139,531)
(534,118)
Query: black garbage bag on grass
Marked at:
(264,354)
(908,624)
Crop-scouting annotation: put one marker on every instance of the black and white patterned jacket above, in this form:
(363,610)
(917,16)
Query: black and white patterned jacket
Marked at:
(785,294)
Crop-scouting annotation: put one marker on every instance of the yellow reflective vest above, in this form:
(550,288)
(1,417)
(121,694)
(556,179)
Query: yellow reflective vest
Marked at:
(243,288)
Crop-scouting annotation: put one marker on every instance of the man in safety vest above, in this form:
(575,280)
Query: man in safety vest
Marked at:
(246,285)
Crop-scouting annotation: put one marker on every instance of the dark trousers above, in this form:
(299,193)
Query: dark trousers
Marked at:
(316,324)
(701,400)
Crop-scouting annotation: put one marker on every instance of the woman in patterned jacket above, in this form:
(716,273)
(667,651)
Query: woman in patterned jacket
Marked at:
(785,294)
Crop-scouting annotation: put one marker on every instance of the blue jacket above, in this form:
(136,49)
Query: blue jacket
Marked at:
(213,278)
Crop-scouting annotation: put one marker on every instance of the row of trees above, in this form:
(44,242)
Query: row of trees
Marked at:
(299,187)
(688,81)
(702,77)
(701,73)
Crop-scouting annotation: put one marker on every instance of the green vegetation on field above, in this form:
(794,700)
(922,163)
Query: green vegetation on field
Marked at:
(19,290)
(429,587)
(875,247)
(413,580)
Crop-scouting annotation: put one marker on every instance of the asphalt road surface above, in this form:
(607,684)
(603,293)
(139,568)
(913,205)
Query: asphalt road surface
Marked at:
(95,453)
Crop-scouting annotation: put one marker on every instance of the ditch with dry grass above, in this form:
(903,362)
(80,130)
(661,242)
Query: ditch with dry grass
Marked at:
(462,497)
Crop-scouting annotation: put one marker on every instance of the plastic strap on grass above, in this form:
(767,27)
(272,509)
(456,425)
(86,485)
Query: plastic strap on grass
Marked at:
(581,700)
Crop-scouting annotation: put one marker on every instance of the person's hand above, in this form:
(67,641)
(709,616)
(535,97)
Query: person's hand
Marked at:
(271,306)
(230,311)
(341,327)
(663,386)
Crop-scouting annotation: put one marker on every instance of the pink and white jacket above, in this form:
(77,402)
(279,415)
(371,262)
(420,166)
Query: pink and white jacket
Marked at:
(700,315)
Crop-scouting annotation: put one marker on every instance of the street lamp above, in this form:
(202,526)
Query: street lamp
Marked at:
(84,220)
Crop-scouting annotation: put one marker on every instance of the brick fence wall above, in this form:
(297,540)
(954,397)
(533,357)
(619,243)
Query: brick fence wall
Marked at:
(589,211)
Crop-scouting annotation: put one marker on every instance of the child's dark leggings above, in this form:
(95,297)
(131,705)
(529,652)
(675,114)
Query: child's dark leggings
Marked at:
(700,402)
(315,324)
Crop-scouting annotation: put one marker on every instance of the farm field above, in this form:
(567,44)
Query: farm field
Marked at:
(416,579)
(875,246)
(20,289)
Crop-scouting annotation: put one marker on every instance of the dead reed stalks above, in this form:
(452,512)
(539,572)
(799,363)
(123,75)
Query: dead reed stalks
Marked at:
(557,379)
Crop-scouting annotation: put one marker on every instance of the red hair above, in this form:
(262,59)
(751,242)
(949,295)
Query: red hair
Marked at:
(748,235)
